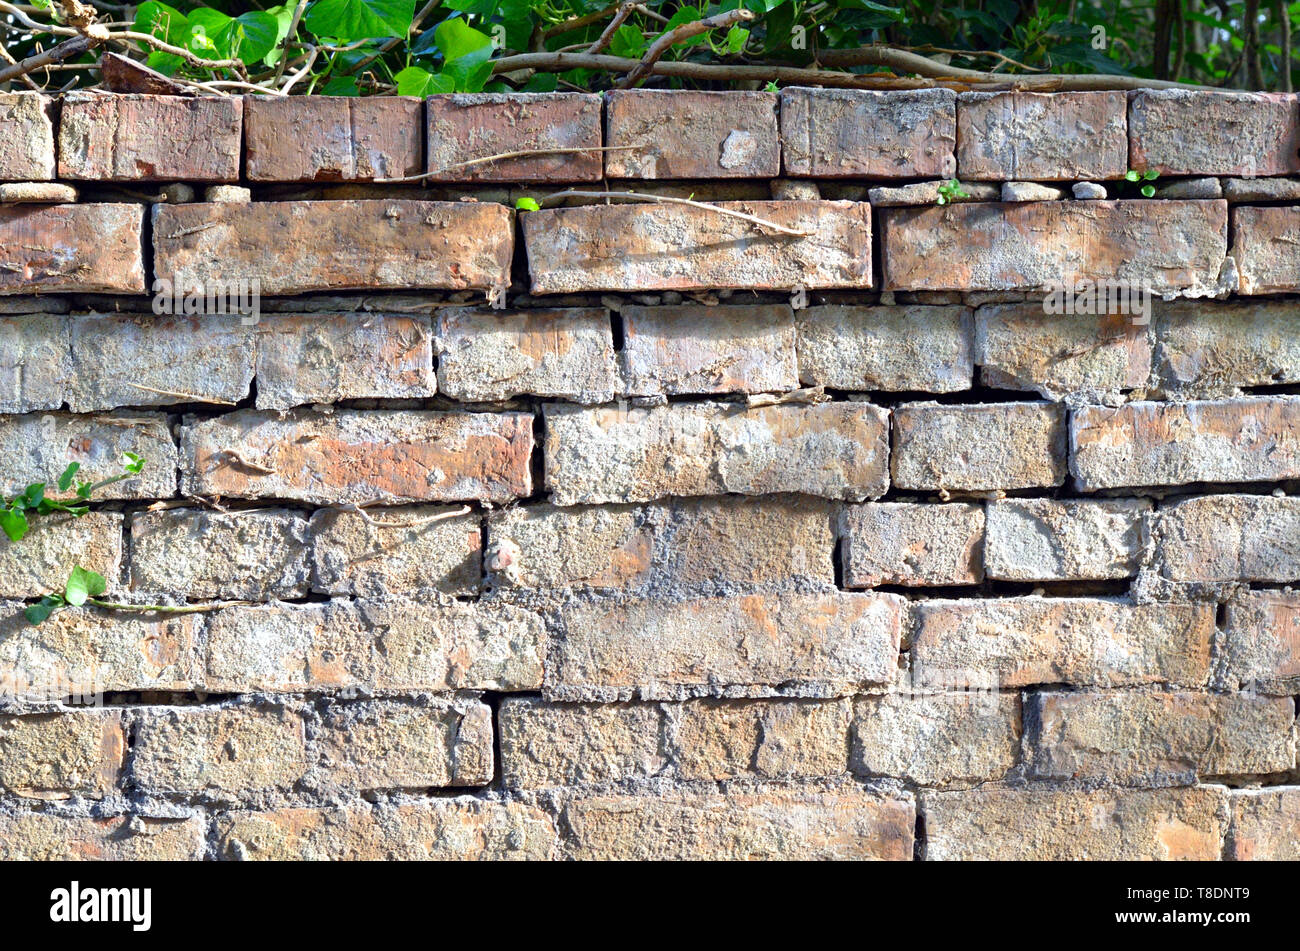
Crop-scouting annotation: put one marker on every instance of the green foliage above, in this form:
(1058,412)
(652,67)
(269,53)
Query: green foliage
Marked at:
(16,513)
(1150,175)
(950,191)
(527,204)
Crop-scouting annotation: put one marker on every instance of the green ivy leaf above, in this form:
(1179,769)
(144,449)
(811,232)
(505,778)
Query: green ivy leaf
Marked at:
(248,37)
(350,20)
(627,41)
(340,86)
(414,81)
(737,36)
(160,20)
(14,523)
(527,204)
(1132,175)
(687,14)
(1148,191)
(65,480)
(1151,175)
(132,463)
(465,52)
(83,584)
(40,611)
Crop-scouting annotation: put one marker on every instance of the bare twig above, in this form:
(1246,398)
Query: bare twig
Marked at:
(360,509)
(167,608)
(678,33)
(289,38)
(577,23)
(499,157)
(626,10)
(191,397)
(27,80)
(55,54)
(668,200)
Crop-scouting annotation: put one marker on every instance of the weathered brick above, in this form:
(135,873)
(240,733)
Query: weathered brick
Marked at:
(1261,643)
(35,362)
(376,645)
(390,745)
(662,133)
(978,448)
(1165,738)
(1019,347)
(56,544)
(642,247)
(615,454)
(121,138)
(937,739)
(1231,538)
(91,248)
(463,128)
(1048,824)
(681,544)
(789,824)
(396,551)
(912,347)
(58,755)
(1210,348)
(41,445)
(1041,137)
(1016,642)
(486,355)
(690,349)
(87,651)
(325,359)
(655,648)
(1191,132)
(438,829)
(153,361)
(1252,439)
(1174,247)
(760,739)
(567,744)
(359,456)
(902,543)
(856,133)
(292,247)
(1067,540)
(1265,825)
(45,837)
(227,752)
(203,556)
(333,138)
(26,137)
(1264,241)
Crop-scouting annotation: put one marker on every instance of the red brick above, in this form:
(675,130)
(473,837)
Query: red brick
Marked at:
(26,137)
(1261,649)
(465,127)
(1041,137)
(1264,244)
(333,138)
(636,247)
(1190,132)
(71,249)
(124,138)
(294,246)
(691,134)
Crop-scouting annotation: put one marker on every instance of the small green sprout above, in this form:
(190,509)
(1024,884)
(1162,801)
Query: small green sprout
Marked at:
(1150,175)
(527,204)
(950,192)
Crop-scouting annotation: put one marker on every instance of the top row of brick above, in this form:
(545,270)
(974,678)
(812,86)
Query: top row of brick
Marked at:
(650,134)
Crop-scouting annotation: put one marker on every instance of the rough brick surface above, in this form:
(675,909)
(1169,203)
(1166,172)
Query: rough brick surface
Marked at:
(1027,136)
(1243,440)
(292,247)
(657,246)
(686,350)
(574,744)
(53,249)
(41,445)
(205,556)
(612,454)
(486,355)
(360,456)
(328,138)
(657,648)
(53,546)
(26,137)
(1188,132)
(1265,240)
(1265,825)
(1158,739)
(902,543)
(314,359)
(937,739)
(915,347)
(400,551)
(463,128)
(150,138)
(437,829)
(1231,538)
(835,133)
(35,362)
(1018,642)
(978,448)
(688,134)
(42,837)
(678,545)
(52,756)
(760,739)
(388,645)
(1213,348)
(1071,540)
(850,824)
(1261,645)
(1176,247)
(1047,824)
